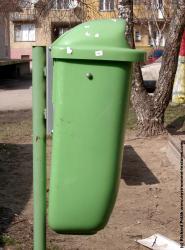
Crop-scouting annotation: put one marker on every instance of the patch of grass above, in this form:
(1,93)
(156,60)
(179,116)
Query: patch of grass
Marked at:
(51,247)
(175,117)
(18,124)
(6,240)
(15,124)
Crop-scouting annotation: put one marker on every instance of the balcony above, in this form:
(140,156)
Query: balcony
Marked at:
(6,6)
(25,15)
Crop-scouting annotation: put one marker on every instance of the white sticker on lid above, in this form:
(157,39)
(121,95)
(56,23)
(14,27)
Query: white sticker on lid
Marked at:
(99,52)
(87,33)
(97,35)
(69,50)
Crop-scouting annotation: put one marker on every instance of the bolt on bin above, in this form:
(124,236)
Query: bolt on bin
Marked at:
(91,86)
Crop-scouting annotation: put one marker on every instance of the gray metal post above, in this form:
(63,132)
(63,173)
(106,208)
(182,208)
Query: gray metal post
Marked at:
(49,79)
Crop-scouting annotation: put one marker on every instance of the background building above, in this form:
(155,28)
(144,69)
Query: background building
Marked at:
(4,37)
(152,20)
(40,22)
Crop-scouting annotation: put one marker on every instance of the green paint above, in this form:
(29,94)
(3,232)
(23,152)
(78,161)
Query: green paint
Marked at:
(90,99)
(87,143)
(7,240)
(96,40)
(39,148)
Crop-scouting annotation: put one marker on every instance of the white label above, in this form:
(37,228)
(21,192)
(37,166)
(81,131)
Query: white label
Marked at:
(99,53)
(87,33)
(97,35)
(69,50)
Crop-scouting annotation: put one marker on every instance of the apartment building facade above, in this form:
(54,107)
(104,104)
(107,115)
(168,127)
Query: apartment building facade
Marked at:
(4,37)
(152,20)
(40,22)
(5,9)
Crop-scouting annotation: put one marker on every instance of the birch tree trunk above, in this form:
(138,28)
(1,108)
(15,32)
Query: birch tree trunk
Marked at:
(150,109)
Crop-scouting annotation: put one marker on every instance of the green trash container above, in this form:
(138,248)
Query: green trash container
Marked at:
(91,78)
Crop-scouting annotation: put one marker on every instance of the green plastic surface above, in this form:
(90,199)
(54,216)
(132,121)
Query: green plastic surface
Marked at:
(91,85)
(96,40)
(89,118)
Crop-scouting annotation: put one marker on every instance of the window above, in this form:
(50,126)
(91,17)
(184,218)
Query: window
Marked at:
(106,5)
(160,14)
(27,3)
(58,30)
(62,30)
(174,2)
(137,36)
(25,57)
(61,4)
(159,4)
(137,2)
(24,4)
(150,42)
(157,40)
(24,32)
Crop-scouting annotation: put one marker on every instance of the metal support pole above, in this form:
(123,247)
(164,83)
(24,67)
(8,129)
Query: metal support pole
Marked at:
(39,147)
(49,80)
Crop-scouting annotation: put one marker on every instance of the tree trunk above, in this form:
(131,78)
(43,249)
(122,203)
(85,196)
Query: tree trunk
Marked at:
(150,109)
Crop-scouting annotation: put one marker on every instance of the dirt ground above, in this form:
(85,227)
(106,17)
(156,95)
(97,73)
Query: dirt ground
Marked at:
(18,92)
(147,203)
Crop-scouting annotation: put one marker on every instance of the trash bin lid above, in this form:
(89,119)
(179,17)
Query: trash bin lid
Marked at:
(96,40)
